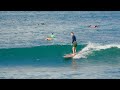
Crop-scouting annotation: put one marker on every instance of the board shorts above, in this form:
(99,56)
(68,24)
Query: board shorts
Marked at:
(74,44)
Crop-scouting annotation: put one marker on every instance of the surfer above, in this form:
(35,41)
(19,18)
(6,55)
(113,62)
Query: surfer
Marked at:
(74,43)
(93,26)
(42,23)
(50,37)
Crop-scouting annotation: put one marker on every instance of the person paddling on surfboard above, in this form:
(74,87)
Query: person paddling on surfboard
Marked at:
(50,37)
(74,43)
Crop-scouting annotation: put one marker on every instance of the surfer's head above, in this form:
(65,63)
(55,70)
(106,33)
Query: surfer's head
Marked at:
(72,33)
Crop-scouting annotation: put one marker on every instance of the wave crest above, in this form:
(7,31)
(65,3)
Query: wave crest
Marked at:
(88,50)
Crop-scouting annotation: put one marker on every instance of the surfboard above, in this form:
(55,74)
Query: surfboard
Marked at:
(69,56)
(48,39)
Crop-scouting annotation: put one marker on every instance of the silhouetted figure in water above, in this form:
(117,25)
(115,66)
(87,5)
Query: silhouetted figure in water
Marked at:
(93,26)
(42,23)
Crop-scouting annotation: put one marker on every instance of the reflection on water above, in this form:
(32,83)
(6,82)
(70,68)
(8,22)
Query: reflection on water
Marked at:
(74,64)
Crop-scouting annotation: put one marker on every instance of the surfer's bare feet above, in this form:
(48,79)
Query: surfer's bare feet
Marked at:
(74,54)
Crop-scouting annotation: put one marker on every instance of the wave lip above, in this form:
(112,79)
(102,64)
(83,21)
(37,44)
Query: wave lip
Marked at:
(88,50)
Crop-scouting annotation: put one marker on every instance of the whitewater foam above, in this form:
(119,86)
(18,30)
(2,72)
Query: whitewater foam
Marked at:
(88,50)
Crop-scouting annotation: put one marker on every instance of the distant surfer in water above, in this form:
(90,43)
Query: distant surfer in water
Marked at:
(50,37)
(74,43)
(93,26)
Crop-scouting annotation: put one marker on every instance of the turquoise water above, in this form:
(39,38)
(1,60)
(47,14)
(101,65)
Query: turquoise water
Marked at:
(24,52)
(49,56)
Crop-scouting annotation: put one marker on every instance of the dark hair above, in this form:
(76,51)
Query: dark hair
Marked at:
(72,32)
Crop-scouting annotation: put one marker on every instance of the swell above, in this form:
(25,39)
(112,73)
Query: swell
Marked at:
(110,53)
(40,55)
(52,55)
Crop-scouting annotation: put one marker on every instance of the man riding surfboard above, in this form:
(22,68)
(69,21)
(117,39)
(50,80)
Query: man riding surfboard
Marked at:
(74,43)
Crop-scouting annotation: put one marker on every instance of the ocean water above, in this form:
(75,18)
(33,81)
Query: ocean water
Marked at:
(25,54)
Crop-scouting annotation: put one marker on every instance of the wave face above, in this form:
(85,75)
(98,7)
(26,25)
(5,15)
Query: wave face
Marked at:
(53,55)
(41,55)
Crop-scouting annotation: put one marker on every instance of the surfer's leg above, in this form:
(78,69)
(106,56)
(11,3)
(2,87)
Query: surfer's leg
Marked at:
(75,45)
(73,50)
